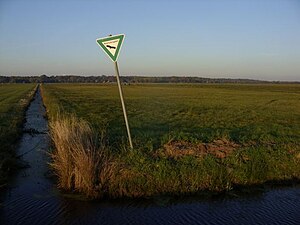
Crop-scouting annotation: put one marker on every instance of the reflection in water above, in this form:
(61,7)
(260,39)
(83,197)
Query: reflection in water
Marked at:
(33,199)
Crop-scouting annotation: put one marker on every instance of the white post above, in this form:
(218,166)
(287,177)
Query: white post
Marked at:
(123,104)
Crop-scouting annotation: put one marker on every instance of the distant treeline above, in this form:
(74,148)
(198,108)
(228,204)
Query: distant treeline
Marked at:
(125,79)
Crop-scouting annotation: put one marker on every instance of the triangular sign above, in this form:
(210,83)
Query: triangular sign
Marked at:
(111,45)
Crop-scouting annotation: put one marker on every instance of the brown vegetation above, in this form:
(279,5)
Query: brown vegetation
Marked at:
(80,162)
(219,148)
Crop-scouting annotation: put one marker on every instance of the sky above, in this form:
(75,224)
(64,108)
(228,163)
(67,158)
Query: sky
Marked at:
(257,39)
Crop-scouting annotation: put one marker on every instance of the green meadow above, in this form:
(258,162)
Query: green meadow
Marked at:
(188,138)
(14,98)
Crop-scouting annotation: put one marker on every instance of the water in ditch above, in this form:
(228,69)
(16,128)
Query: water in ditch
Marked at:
(32,198)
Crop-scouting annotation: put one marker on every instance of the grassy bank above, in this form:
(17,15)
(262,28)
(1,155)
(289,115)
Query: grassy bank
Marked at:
(187,138)
(14,98)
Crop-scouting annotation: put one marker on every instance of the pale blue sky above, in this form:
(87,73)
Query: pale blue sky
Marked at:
(257,39)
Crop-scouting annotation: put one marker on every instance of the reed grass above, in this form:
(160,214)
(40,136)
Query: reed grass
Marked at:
(79,160)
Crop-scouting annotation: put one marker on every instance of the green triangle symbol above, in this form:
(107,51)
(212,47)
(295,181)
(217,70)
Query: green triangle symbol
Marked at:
(111,45)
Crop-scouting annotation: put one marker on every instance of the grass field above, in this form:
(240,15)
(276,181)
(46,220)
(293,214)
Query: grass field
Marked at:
(189,138)
(14,98)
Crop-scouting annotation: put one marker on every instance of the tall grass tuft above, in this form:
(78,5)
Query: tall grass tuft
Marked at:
(79,160)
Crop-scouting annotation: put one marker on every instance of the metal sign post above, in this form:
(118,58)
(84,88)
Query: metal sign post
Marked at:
(123,104)
(111,46)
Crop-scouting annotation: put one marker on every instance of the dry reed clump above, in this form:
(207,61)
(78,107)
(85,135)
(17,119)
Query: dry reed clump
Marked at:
(79,160)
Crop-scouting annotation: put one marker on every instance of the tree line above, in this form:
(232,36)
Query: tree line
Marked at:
(124,79)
